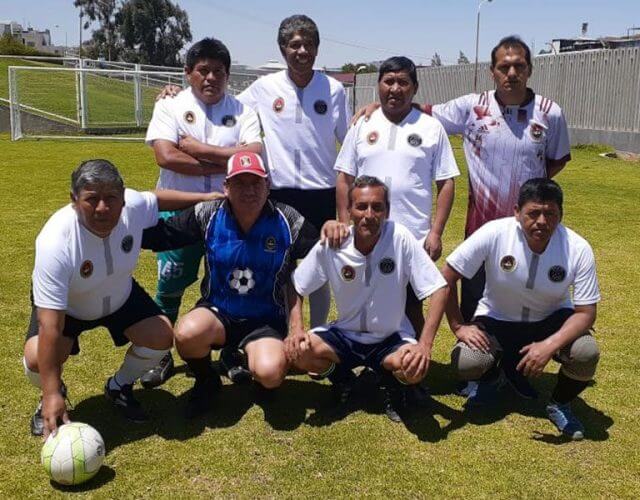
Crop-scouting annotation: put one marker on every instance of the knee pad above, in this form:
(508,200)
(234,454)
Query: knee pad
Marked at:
(33,377)
(580,358)
(471,364)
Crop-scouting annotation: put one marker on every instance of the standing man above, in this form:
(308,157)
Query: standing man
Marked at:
(511,134)
(527,316)
(192,137)
(369,275)
(410,151)
(250,245)
(303,113)
(85,256)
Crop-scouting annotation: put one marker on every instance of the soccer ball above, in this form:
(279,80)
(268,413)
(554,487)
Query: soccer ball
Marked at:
(74,455)
(242,280)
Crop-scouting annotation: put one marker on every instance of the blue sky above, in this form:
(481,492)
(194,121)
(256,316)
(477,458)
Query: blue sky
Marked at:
(356,31)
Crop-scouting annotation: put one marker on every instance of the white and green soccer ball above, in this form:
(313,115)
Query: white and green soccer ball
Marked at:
(74,455)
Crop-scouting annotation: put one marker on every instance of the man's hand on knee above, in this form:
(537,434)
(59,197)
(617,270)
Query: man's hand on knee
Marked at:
(414,362)
(535,357)
(474,337)
(296,344)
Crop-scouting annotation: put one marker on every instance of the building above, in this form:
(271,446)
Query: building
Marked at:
(561,45)
(30,37)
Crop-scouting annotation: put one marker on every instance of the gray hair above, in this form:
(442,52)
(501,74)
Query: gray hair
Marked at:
(95,172)
(369,181)
(297,24)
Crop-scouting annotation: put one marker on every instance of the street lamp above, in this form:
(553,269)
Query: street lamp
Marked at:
(475,71)
(355,79)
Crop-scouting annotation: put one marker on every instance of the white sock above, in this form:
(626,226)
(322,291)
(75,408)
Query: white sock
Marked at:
(319,302)
(137,361)
(34,377)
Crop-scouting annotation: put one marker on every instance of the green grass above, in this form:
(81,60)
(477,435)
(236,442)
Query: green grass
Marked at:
(292,447)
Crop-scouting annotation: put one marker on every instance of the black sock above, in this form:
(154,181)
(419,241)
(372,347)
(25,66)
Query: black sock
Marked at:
(491,375)
(340,374)
(389,381)
(201,368)
(567,389)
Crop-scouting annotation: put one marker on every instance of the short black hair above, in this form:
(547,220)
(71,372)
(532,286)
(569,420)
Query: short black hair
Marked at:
(369,181)
(95,172)
(540,189)
(399,63)
(208,48)
(511,41)
(298,23)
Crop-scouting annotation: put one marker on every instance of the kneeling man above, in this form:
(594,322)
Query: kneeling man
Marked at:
(369,274)
(527,315)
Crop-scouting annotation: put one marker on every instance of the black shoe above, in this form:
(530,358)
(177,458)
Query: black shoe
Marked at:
(395,401)
(124,401)
(201,398)
(159,374)
(37,422)
(343,387)
(232,366)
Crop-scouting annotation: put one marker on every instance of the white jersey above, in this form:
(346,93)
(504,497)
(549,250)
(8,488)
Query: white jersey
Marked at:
(225,124)
(301,126)
(370,290)
(504,147)
(408,157)
(87,276)
(522,285)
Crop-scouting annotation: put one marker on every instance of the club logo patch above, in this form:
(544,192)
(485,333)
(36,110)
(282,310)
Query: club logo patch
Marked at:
(348,273)
(229,120)
(320,107)
(278,105)
(86,269)
(537,131)
(245,161)
(508,263)
(387,265)
(414,140)
(270,244)
(190,117)
(557,274)
(127,243)
(372,138)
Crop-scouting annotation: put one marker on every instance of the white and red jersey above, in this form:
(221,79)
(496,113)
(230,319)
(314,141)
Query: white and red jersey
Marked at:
(504,147)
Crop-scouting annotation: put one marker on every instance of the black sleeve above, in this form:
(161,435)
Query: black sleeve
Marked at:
(306,238)
(178,231)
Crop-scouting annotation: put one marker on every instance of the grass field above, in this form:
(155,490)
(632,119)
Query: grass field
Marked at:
(294,446)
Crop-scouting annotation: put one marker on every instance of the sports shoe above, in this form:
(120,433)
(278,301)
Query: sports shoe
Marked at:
(565,421)
(201,397)
(483,394)
(342,389)
(37,422)
(160,373)
(231,361)
(124,401)
(465,388)
(395,401)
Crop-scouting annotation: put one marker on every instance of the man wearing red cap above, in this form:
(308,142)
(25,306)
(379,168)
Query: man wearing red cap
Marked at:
(251,245)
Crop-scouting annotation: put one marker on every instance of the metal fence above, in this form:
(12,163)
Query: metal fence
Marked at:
(599,91)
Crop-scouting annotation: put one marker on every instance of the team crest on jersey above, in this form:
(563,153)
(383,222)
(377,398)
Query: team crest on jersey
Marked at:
(414,140)
(348,273)
(387,265)
(190,117)
(86,269)
(508,263)
(229,120)
(557,274)
(127,243)
(270,244)
(278,105)
(320,107)
(537,131)
(241,280)
(372,138)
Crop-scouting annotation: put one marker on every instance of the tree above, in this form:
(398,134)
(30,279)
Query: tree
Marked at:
(351,68)
(153,31)
(462,59)
(105,38)
(435,60)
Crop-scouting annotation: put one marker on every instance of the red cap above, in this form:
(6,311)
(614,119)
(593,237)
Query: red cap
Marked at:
(246,162)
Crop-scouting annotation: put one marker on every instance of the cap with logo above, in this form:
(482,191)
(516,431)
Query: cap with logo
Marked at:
(246,162)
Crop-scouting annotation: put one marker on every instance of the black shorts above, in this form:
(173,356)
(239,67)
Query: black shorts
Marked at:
(316,205)
(137,307)
(352,354)
(239,332)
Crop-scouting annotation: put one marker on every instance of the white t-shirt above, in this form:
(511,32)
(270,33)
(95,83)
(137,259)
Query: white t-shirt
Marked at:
(301,126)
(504,147)
(224,124)
(408,157)
(522,285)
(370,290)
(87,276)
